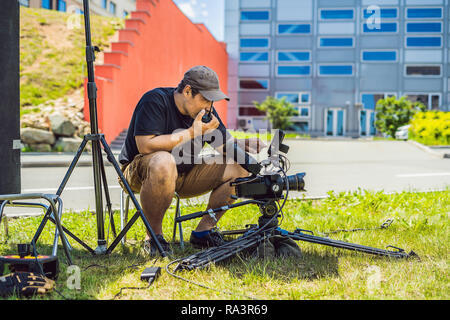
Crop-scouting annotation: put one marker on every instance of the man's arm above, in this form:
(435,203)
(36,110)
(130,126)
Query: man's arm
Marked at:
(151,143)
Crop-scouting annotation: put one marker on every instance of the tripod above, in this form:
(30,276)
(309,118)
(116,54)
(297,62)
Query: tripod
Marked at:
(98,140)
(267,227)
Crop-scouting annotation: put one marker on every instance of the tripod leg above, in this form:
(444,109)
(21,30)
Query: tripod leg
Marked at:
(108,199)
(135,202)
(96,155)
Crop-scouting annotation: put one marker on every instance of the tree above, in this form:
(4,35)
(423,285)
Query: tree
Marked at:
(392,113)
(278,111)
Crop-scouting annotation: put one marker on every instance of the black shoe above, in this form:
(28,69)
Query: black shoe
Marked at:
(152,250)
(211,239)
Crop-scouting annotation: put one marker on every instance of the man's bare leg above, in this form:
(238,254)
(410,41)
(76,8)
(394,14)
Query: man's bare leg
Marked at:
(158,189)
(221,196)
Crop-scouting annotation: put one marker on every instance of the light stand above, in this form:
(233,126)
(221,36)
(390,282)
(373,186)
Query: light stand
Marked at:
(98,167)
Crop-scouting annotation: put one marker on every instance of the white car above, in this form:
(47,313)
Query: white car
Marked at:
(402,132)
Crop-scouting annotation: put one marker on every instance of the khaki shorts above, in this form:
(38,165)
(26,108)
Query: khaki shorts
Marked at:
(201,179)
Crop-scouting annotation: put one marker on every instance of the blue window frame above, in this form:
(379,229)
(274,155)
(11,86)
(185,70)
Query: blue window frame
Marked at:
(293,70)
(382,27)
(62,5)
(254,43)
(104,4)
(384,13)
(335,42)
(368,55)
(254,56)
(333,14)
(254,84)
(293,56)
(335,70)
(255,15)
(423,41)
(46,4)
(428,27)
(294,28)
(420,13)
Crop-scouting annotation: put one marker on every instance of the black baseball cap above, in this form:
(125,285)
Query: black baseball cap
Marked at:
(206,81)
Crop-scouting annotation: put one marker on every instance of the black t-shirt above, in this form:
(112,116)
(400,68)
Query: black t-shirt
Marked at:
(157,114)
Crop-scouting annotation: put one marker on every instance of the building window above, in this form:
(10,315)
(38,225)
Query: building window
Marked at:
(335,42)
(254,56)
(294,97)
(428,70)
(382,27)
(46,4)
(25,3)
(254,84)
(293,56)
(299,126)
(112,8)
(383,13)
(423,41)
(62,5)
(378,56)
(250,111)
(255,16)
(284,29)
(420,13)
(432,101)
(369,100)
(428,27)
(254,43)
(336,14)
(293,70)
(104,4)
(336,70)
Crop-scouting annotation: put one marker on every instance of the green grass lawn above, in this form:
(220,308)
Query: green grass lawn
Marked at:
(421,223)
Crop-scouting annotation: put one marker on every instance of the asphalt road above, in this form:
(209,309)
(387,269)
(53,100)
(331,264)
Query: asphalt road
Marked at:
(338,165)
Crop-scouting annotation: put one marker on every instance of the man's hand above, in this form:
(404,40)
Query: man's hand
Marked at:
(200,128)
(252,145)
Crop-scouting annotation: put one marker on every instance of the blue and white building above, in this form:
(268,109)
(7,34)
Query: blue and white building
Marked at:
(334,59)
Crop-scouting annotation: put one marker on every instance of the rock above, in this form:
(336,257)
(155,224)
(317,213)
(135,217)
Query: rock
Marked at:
(68,144)
(61,125)
(32,136)
(41,147)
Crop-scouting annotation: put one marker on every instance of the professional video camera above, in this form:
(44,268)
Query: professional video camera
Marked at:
(265,187)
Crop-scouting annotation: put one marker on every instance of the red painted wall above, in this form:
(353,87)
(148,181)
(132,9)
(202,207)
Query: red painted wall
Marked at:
(158,45)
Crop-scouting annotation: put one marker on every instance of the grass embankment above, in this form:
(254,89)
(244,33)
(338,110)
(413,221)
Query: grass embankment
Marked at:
(52,53)
(421,223)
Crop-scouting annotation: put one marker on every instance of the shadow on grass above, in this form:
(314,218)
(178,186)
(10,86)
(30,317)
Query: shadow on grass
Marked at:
(311,265)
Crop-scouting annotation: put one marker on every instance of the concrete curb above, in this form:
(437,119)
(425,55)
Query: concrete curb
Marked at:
(42,160)
(445,155)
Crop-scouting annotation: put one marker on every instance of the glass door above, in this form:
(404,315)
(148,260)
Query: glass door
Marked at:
(334,122)
(367,123)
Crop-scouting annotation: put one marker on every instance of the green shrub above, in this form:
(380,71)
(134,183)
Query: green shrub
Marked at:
(431,128)
(392,114)
(278,111)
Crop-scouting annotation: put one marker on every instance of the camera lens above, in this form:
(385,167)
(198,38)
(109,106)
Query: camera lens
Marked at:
(295,181)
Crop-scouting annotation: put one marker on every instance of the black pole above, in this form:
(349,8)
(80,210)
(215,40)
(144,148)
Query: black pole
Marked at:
(9,98)
(96,150)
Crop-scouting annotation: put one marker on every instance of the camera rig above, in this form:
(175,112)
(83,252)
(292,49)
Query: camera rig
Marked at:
(265,187)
